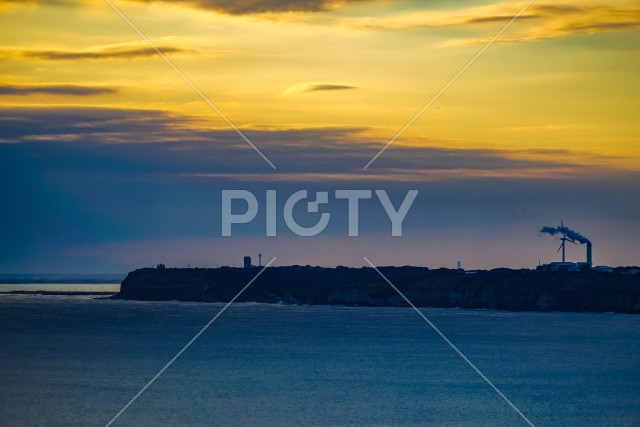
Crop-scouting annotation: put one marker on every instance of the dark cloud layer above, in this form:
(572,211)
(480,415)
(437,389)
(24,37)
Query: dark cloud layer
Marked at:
(70,90)
(186,147)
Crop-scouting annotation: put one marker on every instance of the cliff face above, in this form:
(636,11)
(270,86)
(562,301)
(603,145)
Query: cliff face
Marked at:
(495,289)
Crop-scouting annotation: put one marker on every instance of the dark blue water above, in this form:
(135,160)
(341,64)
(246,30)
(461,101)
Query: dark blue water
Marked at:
(77,361)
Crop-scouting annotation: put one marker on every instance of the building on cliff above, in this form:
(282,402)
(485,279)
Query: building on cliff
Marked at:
(564,266)
(247,262)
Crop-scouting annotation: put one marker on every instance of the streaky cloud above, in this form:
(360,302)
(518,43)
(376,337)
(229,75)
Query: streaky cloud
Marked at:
(117,52)
(40,2)
(498,18)
(317,87)
(55,89)
(253,7)
(546,21)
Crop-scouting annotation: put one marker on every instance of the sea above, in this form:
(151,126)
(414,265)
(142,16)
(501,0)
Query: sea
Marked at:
(77,360)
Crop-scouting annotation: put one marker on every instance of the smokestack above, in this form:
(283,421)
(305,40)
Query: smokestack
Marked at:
(589,260)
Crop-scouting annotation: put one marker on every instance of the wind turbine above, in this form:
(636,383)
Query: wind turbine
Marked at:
(564,239)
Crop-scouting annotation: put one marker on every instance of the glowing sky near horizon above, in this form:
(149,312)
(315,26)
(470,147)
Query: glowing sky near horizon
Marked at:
(319,86)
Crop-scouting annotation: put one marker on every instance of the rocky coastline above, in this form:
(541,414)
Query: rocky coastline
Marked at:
(500,289)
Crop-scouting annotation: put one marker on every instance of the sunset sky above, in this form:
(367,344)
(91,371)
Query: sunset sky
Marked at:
(110,161)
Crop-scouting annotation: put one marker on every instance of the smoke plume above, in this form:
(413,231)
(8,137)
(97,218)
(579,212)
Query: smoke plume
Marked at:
(573,235)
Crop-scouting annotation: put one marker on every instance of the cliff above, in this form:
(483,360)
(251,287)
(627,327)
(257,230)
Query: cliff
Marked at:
(504,289)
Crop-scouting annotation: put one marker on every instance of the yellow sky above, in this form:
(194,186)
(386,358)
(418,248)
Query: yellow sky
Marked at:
(564,77)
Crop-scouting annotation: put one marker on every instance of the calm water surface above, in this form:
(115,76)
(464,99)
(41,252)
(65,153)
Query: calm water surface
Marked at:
(76,361)
(60,287)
